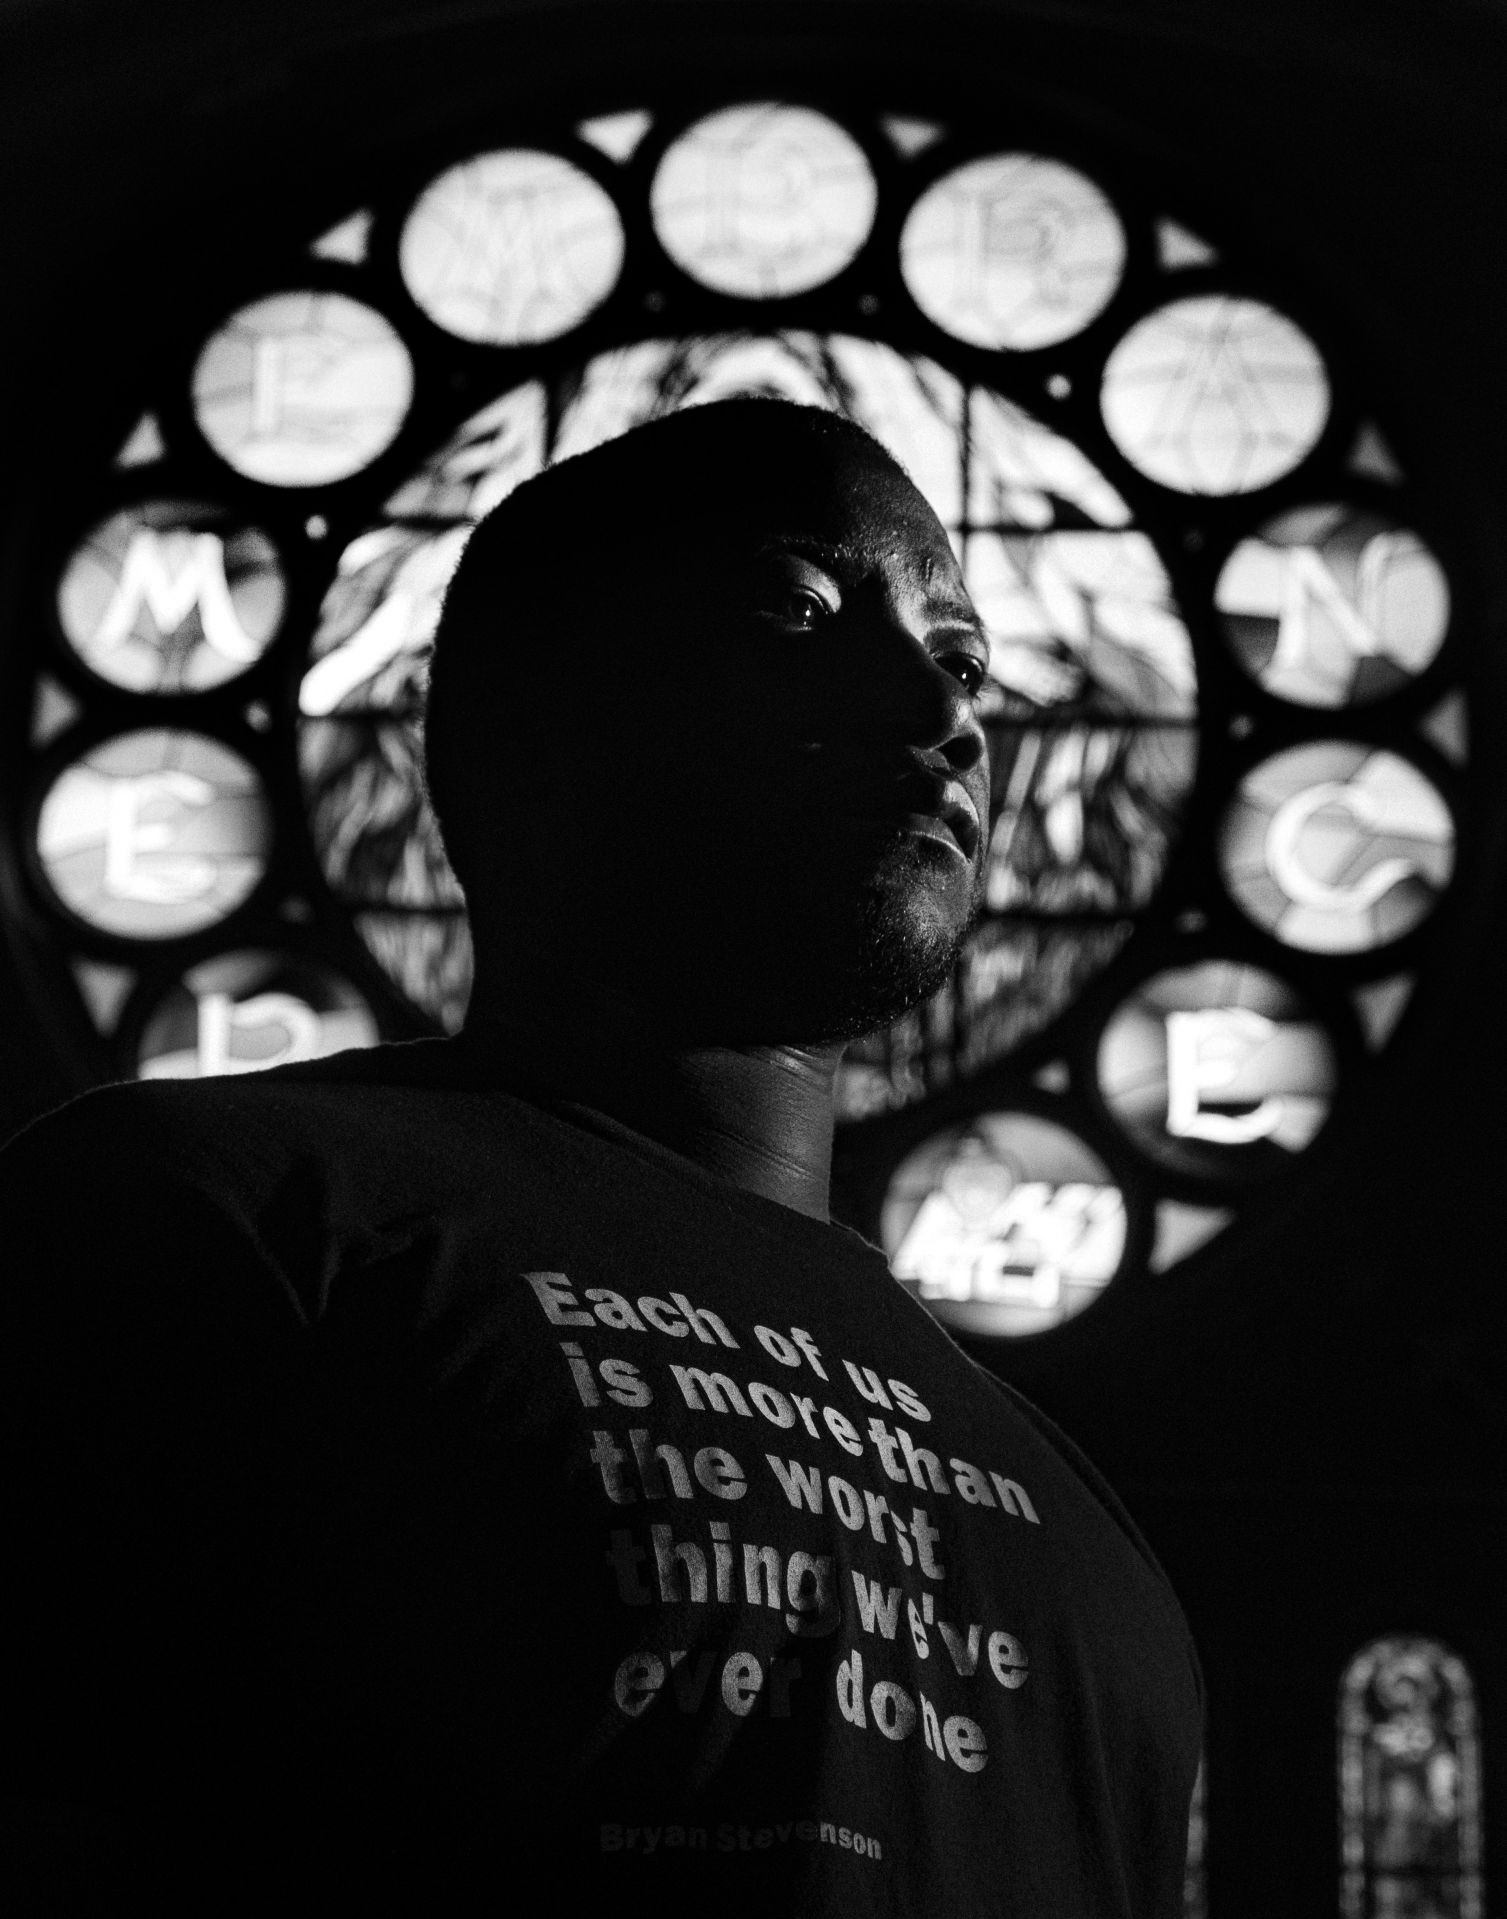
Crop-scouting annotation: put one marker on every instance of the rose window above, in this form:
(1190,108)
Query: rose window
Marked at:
(1224,703)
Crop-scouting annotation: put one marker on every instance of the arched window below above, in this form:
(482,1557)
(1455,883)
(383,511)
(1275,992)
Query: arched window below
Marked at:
(1410,1785)
(1195,1880)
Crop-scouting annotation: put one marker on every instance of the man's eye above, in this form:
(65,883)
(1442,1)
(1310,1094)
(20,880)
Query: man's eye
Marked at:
(802,606)
(968,669)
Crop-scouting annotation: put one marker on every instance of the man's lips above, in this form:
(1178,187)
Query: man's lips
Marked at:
(953,825)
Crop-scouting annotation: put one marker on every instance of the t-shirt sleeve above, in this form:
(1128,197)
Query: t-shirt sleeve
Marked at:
(143,1332)
(1105,1494)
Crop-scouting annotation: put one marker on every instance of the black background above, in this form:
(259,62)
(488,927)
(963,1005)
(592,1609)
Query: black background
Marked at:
(1309,1419)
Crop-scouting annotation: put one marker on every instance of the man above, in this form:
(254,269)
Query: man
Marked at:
(472,1473)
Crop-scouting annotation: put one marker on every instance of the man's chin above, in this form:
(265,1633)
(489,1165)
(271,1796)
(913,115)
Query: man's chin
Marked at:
(892,956)
(877,995)
(803,963)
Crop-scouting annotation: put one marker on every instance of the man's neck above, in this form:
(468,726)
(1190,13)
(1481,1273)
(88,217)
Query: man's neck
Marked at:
(759,1117)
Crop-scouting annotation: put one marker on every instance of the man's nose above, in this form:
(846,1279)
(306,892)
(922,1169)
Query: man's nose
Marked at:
(920,703)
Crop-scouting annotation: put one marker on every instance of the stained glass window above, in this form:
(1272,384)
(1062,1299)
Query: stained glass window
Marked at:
(1217,1069)
(171,596)
(763,200)
(1337,847)
(1333,605)
(1225,699)
(245,1010)
(302,388)
(1215,395)
(511,248)
(1195,1872)
(1409,1785)
(1011,1217)
(154,833)
(1012,251)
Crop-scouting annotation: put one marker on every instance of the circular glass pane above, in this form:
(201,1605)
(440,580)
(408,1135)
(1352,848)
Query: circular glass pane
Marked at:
(1217,1069)
(1083,620)
(1079,620)
(372,824)
(302,388)
(1215,395)
(1337,847)
(1010,1223)
(1089,816)
(1012,251)
(511,248)
(765,200)
(1016,977)
(155,833)
(428,957)
(171,596)
(244,1011)
(1333,605)
(371,647)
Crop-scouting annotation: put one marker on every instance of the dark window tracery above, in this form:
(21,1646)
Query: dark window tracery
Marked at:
(1224,696)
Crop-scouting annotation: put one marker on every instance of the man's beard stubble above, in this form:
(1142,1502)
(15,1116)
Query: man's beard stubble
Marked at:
(894,964)
(829,965)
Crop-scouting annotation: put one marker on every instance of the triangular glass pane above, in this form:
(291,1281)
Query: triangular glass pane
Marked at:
(1181,1229)
(1371,457)
(1447,726)
(145,444)
(616,134)
(910,137)
(1177,247)
(1380,1005)
(347,240)
(105,990)
(52,708)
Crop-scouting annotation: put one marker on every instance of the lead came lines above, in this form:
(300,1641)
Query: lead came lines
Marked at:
(763,201)
(1213,1060)
(512,248)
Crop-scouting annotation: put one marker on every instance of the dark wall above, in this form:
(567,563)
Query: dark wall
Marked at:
(1309,1421)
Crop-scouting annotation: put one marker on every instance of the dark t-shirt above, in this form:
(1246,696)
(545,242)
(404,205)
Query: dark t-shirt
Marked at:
(429,1495)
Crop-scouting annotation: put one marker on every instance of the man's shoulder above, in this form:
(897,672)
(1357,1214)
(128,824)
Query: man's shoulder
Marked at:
(365,1108)
(293,1173)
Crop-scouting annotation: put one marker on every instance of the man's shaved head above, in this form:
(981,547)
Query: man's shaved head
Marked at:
(543,573)
(701,714)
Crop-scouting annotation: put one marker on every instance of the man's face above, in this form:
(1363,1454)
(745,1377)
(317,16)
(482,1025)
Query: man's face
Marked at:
(790,781)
